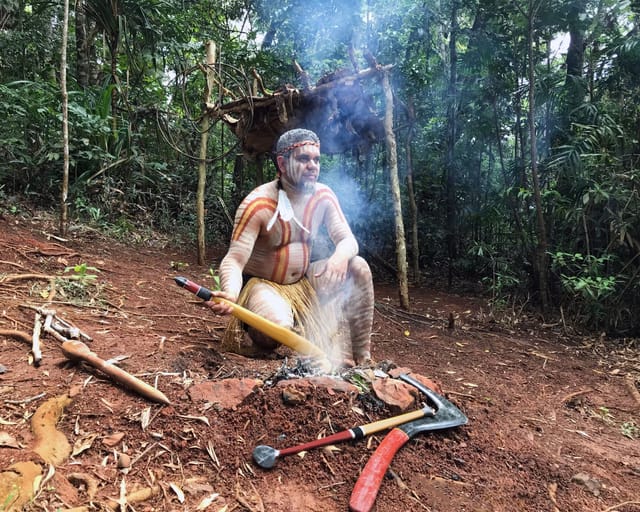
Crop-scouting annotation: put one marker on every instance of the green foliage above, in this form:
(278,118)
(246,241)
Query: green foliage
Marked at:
(81,288)
(498,273)
(588,292)
(81,271)
(630,429)
(134,129)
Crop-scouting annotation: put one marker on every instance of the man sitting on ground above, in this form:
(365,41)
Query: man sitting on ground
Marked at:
(268,267)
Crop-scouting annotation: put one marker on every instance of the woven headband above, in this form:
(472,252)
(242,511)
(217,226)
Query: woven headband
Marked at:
(297,145)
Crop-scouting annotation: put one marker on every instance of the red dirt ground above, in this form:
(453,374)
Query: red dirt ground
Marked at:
(553,419)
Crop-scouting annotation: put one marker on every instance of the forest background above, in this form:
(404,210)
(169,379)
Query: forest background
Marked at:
(517,125)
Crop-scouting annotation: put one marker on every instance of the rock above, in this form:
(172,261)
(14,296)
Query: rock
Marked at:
(593,485)
(331,384)
(293,396)
(124,461)
(431,384)
(395,393)
(227,393)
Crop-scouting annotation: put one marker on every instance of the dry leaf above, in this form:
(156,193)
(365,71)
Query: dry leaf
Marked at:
(83,443)
(358,410)
(8,440)
(208,500)
(203,419)
(145,418)
(178,492)
(112,439)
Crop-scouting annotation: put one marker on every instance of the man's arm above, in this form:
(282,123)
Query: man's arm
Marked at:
(346,245)
(247,225)
(231,269)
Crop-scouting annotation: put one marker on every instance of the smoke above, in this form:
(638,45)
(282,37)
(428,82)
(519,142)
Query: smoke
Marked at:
(352,198)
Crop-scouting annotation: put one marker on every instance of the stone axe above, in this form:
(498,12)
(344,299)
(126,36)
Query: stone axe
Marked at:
(366,489)
(266,456)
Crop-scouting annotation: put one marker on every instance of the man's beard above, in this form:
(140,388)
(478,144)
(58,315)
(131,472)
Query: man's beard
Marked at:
(307,187)
(302,186)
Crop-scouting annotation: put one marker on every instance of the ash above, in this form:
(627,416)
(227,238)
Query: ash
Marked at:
(301,368)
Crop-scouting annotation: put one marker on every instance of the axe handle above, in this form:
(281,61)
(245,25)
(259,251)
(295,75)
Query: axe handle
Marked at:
(366,489)
(360,431)
(78,351)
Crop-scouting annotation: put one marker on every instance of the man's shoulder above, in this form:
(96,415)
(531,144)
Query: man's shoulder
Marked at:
(266,191)
(324,193)
(323,190)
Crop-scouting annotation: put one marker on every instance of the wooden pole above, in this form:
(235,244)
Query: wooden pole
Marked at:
(202,165)
(401,247)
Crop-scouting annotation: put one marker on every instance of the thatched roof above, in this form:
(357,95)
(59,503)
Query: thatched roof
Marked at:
(338,108)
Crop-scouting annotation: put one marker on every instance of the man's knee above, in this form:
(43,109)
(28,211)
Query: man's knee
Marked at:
(360,270)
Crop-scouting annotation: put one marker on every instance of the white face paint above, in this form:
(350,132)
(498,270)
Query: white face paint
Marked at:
(301,168)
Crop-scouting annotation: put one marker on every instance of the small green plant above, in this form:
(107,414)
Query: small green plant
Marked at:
(178,265)
(605,415)
(78,285)
(630,429)
(213,273)
(81,271)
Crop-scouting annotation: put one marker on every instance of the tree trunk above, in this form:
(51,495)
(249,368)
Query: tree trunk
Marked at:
(575,89)
(450,167)
(542,246)
(413,207)
(113,45)
(64,213)
(390,138)
(202,165)
(82,46)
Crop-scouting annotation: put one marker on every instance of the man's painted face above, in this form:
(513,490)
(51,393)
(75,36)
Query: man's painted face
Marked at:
(302,168)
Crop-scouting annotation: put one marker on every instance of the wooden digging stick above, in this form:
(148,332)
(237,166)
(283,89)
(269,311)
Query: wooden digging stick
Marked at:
(78,351)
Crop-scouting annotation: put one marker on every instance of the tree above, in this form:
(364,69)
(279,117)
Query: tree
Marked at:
(64,213)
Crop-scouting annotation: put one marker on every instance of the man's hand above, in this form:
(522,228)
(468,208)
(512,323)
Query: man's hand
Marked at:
(220,307)
(333,274)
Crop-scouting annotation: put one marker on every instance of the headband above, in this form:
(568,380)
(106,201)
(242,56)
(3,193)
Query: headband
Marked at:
(295,145)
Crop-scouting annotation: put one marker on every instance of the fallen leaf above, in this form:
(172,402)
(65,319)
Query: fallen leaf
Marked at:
(113,439)
(208,500)
(178,492)
(83,443)
(8,440)
(145,418)
(203,419)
